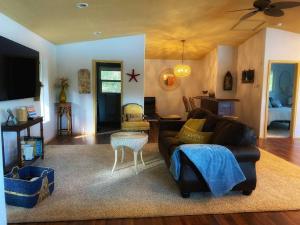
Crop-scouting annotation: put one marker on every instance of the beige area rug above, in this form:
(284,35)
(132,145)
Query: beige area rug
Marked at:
(85,188)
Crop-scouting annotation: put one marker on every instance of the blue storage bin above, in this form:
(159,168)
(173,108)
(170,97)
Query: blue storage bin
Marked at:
(22,190)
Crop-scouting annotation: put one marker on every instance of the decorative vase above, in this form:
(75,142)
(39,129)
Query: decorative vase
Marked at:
(62,95)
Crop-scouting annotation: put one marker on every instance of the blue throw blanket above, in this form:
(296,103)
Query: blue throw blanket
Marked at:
(216,163)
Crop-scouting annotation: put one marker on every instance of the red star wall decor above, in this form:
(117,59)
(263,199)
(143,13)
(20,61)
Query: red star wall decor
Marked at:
(133,76)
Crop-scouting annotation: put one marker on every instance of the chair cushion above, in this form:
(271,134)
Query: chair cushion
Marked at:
(134,117)
(133,108)
(135,125)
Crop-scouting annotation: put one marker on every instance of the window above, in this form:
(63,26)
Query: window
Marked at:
(111,75)
(271,81)
(110,81)
(44,94)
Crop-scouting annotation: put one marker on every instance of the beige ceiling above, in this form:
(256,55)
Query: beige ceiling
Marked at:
(203,23)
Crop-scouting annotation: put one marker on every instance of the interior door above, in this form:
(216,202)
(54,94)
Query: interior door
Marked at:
(281,100)
(109,88)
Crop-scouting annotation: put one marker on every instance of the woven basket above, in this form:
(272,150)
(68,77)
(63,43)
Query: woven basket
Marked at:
(29,185)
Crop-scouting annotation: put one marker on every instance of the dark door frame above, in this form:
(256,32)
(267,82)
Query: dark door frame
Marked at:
(94,80)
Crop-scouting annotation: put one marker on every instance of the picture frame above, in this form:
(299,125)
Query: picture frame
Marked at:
(248,76)
(84,81)
(228,82)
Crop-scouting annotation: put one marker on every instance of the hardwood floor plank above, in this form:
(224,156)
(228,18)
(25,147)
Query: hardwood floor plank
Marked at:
(225,219)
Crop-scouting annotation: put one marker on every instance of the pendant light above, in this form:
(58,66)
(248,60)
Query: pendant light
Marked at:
(182,70)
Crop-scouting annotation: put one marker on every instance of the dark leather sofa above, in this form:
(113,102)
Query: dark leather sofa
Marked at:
(238,137)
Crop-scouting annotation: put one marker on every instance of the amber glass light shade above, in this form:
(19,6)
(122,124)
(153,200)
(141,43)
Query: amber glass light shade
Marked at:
(182,70)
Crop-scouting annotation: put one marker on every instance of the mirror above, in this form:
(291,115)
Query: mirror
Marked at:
(168,81)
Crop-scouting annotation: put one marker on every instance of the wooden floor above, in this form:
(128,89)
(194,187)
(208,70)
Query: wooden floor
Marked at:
(285,148)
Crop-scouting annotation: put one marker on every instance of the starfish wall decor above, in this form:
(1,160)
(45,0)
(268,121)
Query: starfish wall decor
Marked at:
(133,76)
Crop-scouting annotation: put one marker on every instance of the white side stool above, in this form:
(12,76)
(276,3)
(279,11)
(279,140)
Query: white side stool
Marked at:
(133,140)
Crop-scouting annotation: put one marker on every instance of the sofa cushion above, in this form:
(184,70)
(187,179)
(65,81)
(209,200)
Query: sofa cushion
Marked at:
(229,132)
(168,133)
(169,143)
(198,113)
(210,123)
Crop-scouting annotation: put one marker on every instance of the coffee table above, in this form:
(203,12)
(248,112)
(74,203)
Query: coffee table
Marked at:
(135,141)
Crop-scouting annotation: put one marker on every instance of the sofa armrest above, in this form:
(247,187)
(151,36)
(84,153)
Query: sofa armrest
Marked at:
(174,125)
(245,153)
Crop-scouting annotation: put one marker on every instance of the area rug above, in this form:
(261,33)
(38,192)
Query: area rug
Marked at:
(85,188)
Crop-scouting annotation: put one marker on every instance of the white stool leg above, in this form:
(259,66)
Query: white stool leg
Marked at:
(135,161)
(123,154)
(116,159)
(141,154)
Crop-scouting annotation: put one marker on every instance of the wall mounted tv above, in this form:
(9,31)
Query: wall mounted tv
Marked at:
(19,71)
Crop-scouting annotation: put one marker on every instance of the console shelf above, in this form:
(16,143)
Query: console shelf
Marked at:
(18,128)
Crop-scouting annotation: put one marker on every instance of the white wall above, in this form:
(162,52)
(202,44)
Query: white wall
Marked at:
(72,57)
(2,199)
(209,70)
(16,32)
(280,45)
(256,53)
(226,56)
(207,74)
(170,102)
(251,56)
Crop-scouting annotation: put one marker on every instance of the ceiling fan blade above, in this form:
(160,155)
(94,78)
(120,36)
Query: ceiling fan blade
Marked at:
(284,5)
(273,12)
(261,4)
(241,10)
(246,16)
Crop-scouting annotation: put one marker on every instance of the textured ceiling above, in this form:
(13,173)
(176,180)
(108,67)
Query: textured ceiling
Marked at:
(203,23)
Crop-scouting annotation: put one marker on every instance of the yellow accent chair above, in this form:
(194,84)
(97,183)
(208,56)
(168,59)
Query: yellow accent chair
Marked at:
(133,118)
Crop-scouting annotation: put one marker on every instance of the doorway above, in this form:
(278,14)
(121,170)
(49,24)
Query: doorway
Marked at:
(108,100)
(280,105)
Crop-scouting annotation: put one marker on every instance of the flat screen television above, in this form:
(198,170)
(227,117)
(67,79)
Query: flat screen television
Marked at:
(19,71)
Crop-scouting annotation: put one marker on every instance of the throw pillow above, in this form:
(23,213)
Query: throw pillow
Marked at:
(276,103)
(195,124)
(270,104)
(134,117)
(190,136)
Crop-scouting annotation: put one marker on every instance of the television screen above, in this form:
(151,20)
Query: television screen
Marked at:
(19,71)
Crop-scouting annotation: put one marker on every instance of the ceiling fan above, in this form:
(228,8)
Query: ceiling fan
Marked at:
(268,8)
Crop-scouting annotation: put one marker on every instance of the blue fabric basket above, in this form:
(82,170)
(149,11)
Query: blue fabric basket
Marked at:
(23,192)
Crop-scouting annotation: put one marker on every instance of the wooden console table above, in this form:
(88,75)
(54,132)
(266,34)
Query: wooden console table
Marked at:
(61,109)
(222,107)
(18,128)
